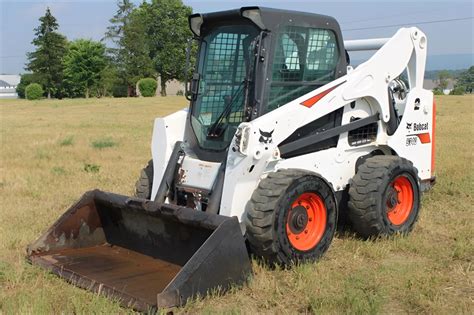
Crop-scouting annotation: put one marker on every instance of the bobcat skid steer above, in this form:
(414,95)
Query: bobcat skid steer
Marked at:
(282,134)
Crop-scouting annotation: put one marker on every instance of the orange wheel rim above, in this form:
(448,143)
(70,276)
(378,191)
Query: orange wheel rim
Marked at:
(306,221)
(399,200)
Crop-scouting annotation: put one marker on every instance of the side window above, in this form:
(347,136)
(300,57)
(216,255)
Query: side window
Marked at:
(292,59)
(305,58)
(287,64)
(322,54)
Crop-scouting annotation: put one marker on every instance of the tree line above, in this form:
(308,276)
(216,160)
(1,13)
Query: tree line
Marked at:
(144,41)
(464,81)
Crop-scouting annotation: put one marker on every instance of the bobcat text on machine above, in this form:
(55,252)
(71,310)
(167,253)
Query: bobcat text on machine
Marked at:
(282,135)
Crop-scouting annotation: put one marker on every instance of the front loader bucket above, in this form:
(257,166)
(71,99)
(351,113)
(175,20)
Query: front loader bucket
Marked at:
(144,254)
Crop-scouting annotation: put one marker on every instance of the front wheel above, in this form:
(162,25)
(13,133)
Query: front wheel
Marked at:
(291,217)
(144,182)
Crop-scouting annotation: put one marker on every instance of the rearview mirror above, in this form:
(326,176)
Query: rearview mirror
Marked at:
(190,86)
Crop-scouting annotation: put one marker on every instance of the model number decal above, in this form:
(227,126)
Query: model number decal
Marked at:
(411,141)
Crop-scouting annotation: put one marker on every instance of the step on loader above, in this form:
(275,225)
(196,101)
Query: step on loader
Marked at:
(282,137)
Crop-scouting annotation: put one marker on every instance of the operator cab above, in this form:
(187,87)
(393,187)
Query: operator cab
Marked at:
(251,61)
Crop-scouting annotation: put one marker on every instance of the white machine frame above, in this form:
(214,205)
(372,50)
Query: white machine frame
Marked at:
(366,85)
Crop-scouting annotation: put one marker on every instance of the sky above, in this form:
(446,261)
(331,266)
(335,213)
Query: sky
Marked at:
(450,44)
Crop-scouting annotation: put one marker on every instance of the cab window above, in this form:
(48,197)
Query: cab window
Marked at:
(305,58)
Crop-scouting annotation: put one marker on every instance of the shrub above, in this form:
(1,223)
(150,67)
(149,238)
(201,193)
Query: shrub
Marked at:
(437,91)
(25,80)
(180,93)
(458,90)
(120,90)
(147,87)
(34,91)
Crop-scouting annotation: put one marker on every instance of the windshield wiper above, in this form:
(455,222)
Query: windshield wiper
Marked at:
(216,130)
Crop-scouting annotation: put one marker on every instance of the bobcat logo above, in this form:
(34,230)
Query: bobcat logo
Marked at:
(409,125)
(265,137)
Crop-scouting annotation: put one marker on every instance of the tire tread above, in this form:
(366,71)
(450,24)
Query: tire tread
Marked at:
(365,190)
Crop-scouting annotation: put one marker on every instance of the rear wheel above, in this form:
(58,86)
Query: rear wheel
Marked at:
(291,217)
(144,182)
(384,197)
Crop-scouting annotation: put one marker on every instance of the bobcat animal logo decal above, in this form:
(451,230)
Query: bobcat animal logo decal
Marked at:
(266,137)
(409,125)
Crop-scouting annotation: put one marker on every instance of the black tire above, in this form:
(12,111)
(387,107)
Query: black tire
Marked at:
(144,182)
(268,214)
(373,197)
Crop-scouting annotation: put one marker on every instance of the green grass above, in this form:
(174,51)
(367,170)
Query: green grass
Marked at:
(430,271)
(104,143)
(57,170)
(69,140)
(91,168)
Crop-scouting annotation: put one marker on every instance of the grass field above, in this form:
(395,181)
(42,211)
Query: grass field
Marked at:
(53,151)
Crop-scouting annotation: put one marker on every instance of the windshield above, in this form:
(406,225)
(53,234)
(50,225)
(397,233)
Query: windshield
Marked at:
(225,62)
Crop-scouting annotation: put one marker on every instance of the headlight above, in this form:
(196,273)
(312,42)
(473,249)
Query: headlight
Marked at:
(242,137)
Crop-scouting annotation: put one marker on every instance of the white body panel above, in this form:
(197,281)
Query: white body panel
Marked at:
(166,131)
(405,142)
(367,86)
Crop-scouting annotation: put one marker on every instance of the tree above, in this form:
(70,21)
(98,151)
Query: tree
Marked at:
(437,91)
(46,60)
(107,81)
(119,22)
(135,53)
(458,90)
(115,33)
(83,65)
(466,79)
(443,77)
(166,23)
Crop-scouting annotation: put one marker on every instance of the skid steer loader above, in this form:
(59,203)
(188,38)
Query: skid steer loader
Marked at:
(282,135)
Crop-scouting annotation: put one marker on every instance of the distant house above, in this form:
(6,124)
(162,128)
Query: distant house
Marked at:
(8,84)
(173,87)
(432,84)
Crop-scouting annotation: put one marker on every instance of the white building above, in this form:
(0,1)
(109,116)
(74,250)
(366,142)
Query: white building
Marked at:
(433,84)
(8,84)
